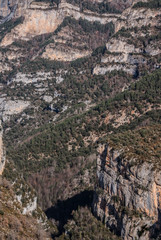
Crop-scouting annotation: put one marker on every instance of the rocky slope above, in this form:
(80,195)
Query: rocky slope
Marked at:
(20,216)
(42,18)
(132,47)
(125,51)
(15,221)
(71,75)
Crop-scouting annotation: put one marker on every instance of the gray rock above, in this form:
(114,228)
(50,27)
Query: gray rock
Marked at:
(130,198)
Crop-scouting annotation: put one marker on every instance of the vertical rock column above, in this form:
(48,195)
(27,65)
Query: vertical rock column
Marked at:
(2,151)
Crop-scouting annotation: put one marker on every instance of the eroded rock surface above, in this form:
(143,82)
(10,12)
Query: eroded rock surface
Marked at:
(9,108)
(128,195)
(2,151)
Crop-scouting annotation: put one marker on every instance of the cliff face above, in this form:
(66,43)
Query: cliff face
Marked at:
(122,52)
(128,198)
(40,99)
(131,47)
(132,17)
(2,151)
(9,108)
(36,22)
(62,53)
(6,7)
(41,18)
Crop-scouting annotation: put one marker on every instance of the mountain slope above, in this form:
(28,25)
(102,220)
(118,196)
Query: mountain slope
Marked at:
(75,75)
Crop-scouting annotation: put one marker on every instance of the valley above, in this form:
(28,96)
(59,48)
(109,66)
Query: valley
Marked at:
(80,109)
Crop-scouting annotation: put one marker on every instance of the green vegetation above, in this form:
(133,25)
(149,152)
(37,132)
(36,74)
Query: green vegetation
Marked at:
(142,145)
(85,226)
(96,26)
(53,145)
(148,89)
(123,32)
(87,26)
(103,7)
(52,2)
(46,153)
(50,143)
(74,87)
(43,64)
(149,4)
(1,212)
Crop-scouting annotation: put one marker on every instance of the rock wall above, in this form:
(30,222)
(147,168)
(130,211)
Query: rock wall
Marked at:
(74,11)
(132,17)
(125,51)
(101,70)
(10,15)
(2,151)
(41,18)
(9,108)
(128,196)
(63,53)
(36,22)
(6,7)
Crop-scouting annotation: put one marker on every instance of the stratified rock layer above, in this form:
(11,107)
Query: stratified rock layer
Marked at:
(128,198)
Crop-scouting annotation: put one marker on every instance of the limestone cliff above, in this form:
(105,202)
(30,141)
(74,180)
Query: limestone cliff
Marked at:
(9,108)
(37,22)
(7,7)
(128,198)
(4,8)
(2,151)
(62,53)
(131,46)
(43,18)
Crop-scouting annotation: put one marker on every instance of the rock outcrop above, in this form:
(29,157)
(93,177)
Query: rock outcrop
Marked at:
(130,47)
(9,108)
(62,53)
(4,8)
(2,151)
(14,222)
(30,207)
(128,198)
(101,70)
(10,15)
(43,18)
(7,7)
(36,22)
